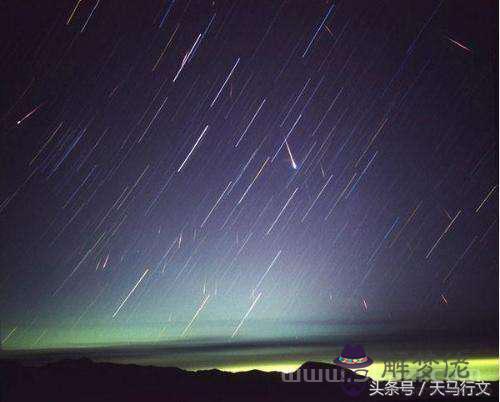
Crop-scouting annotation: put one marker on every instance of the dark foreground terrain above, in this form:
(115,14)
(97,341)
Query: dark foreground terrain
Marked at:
(85,380)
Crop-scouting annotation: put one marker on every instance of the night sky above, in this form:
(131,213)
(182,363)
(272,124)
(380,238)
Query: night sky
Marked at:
(182,170)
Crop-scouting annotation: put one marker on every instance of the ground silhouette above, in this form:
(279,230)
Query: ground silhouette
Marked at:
(85,380)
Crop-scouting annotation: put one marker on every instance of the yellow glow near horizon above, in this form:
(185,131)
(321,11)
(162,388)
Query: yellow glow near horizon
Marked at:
(480,369)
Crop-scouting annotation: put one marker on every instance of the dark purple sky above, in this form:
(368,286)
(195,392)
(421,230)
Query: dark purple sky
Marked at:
(222,169)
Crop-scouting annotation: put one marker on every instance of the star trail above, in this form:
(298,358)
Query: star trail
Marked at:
(182,170)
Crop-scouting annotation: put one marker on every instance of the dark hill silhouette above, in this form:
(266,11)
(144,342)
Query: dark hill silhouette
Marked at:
(84,380)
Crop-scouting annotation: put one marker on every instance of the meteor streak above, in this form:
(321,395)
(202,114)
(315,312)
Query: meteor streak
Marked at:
(246,315)
(267,270)
(195,315)
(459,44)
(192,149)
(294,165)
(30,113)
(8,335)
(130,293)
